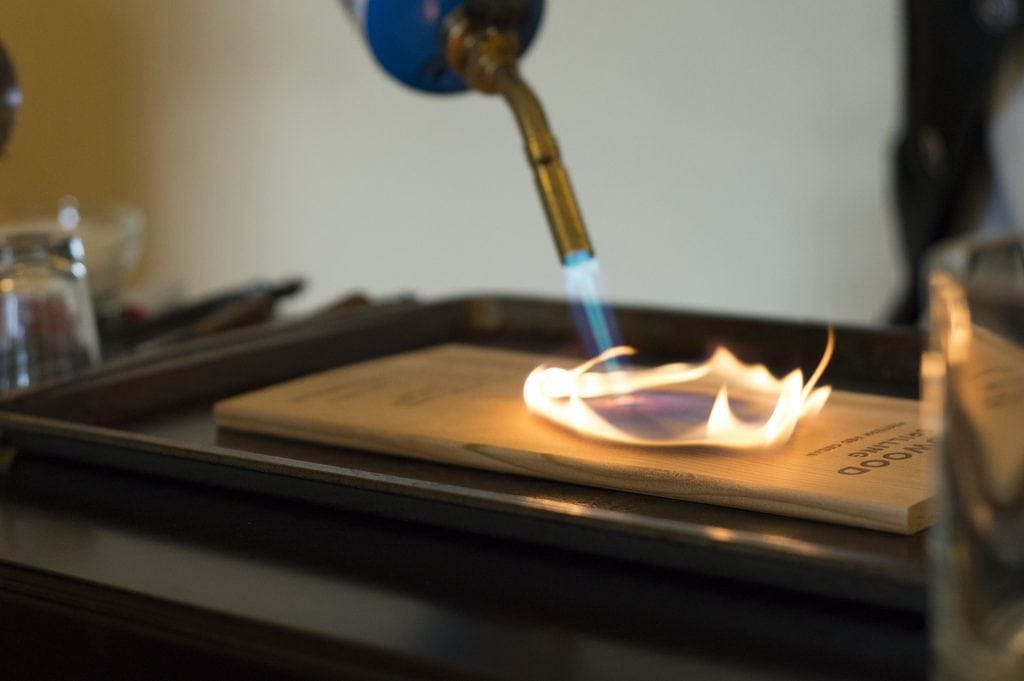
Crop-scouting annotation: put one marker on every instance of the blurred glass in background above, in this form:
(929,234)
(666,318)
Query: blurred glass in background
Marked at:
(47,325)
(974,384)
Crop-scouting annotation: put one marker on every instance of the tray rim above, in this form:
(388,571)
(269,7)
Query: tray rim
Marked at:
(19,427)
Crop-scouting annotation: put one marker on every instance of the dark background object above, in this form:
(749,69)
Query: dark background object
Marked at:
(10,98)
(954,51)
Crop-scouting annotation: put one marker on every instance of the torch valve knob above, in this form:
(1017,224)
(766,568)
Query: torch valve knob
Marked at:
(504,15)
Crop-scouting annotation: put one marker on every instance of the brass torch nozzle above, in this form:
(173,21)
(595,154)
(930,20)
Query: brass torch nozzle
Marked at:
(487,59)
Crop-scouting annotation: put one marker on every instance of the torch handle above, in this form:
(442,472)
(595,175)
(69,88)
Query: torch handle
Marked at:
(556,193)
(487,57)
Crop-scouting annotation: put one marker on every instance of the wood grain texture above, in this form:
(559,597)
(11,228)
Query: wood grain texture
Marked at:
(863,461)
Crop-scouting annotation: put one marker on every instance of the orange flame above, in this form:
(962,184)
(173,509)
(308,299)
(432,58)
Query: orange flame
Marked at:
(669,405)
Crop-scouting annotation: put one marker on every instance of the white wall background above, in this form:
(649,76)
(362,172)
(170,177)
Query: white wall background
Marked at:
(728,154)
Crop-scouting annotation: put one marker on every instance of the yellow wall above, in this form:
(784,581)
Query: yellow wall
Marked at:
(81,126)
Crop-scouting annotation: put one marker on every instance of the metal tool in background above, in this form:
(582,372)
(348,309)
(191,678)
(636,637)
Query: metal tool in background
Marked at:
(134,329)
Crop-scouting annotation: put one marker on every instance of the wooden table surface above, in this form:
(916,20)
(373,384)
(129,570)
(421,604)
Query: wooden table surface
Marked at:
(110,575)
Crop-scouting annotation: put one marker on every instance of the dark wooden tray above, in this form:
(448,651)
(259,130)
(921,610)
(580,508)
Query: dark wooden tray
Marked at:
(152,414)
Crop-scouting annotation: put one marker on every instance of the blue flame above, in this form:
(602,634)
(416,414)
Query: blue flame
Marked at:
(595,321)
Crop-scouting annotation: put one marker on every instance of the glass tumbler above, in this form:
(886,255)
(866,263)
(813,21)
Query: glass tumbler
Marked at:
(974,389)
(47,324)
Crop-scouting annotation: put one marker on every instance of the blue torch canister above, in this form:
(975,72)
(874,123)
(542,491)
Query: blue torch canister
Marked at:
(407,39)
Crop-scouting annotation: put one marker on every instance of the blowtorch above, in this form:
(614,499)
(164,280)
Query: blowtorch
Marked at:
(451,45)
(444,46)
